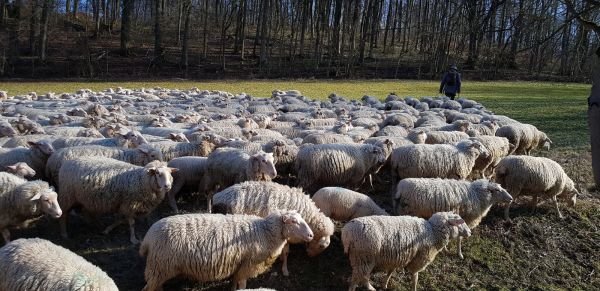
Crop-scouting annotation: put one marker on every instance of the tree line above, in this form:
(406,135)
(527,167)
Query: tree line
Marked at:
(488,39)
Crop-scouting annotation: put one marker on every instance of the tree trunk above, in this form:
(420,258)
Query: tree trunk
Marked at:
(34,26)
(305,13)
(205,33)
(187,11)
(337,20)
(96,12)
(263,59)
(76,8)
(594,118)
(44,29)
(126,26)
(158,49)
(13,35)
(68,8)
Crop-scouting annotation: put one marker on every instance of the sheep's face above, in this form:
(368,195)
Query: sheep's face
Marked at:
(265,162)
(499,194)
(480,149)
(295,228)
(546,143)
(135,137)
(21,169)
(570,194)
(150,154)
(316,247)
(45,147)
(47,199)
(7,130)
(163,177)
(459,227)
(178,137)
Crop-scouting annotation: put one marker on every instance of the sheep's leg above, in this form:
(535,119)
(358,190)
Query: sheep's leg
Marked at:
(506,209)
(155,284)
(110,228)
(534,203)
(6,235)
(371,181)
(387,280)
(242,284)
(284,257)
(63,224)
(415,279)
(132,237)
(460,254)
(209,202)
(556,205)
(171,196)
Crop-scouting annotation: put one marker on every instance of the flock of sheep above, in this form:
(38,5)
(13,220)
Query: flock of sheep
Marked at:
(275,165)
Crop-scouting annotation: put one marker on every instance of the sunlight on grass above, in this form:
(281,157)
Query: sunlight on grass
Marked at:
(557,108)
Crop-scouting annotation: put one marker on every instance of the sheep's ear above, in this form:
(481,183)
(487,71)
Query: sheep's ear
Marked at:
(144,150)
(173,170)
(33,143)
(172,135)
(36,197)
(289,219)
(456,222)
(151,171)
(13,167)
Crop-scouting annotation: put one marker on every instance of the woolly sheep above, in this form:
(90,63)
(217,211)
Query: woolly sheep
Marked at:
(422,197)
(36,156)
(21,169)
(9,181)
(325,138)
(171,150)
(498,148)
(525,137)
(459,125)
(6,129)
(226,166)
(343,204)
(535,176)
(484,128)
(436,161)
(103,185)
(445,137)
(191,170)
(337,165)
(237,247)
(389,242)
(26,201)
(261,198)
(37,264)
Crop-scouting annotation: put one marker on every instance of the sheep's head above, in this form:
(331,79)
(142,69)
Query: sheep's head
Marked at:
(499,194)
(294,226)
(161,175)
(323,232)
(134,137)
(463,125)
(45,147)
(7,130)
(178,137)
(475,147)
(21,169)
(450,223)
(45,197)
(546,142)
(150,153)
(418,136)
(569,195)
(264,164)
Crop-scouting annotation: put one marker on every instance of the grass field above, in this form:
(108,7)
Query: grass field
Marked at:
(535,252)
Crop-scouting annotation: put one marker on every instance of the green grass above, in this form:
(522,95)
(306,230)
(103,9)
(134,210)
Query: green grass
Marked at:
(558,109)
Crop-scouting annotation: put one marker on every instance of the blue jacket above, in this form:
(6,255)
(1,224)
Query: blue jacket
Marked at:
(444,87)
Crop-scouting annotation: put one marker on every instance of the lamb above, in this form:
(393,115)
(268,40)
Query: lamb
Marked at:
(26,201)
(37,264)
(422,197)
(344,204)
(233,246)
(225,167)
(103,185)
(525,175)
(140,157)
(445,137)
(337,165)
(191,170)
(262,198)
(36,156)
(436,161)
(525,137)
(498,147)
(20,169)
(390,242)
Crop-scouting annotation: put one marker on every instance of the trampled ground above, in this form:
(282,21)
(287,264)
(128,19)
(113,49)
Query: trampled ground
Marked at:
(535,251)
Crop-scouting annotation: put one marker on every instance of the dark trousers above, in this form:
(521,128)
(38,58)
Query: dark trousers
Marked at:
(451,95)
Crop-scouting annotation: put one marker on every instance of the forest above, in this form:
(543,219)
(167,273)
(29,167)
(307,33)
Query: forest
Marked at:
(347,39)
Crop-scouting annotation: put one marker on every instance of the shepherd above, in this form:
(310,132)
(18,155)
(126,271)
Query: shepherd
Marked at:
(450,85)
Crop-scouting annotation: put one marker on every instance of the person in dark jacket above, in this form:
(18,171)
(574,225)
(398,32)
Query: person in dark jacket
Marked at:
(450,85)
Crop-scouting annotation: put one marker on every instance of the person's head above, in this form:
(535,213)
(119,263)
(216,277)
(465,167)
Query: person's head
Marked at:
(453,67)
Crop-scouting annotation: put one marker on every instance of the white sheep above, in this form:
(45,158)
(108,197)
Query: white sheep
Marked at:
(191,170)
(235,247)
(422,197)
(386,243)
(525,137)
(498,148)
(21,169)
(445,137)
(37,264)
(261,198)
(36,156)
(25,201)
(226,166)
(343,204)
(103,185)
(535,176)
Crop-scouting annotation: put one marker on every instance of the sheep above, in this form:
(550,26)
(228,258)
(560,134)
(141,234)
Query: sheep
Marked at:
(225,167)
(140,157)
(325,138)
(402,119)
(436,161)
(344,204)
(261,198)
(191,170)
(9,181)
(21,169)
(484,128)
(178,137)
(233,246)
(337,165)
(498,147)
(534,176)
(171,150)
(459,125)
(445,137)
(103,185)
(393,130)
(390,242)
(6,129)
(65,142)
(38,264)
(422,197)
(525,137)
(26,201)
(36,156)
